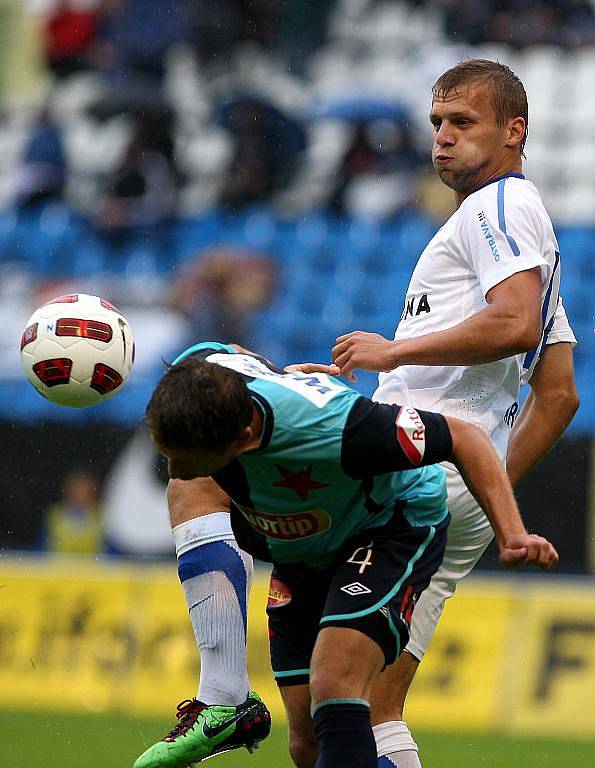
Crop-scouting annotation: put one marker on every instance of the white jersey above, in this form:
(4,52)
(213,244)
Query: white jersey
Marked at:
(499,230)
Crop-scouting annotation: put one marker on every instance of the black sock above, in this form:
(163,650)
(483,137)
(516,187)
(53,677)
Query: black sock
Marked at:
(344,734)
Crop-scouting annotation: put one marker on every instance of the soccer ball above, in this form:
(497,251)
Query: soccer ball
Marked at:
(77,350)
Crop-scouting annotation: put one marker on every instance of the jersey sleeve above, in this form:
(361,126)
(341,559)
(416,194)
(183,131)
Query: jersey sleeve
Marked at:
(380,438)
(502,234)
(560,330)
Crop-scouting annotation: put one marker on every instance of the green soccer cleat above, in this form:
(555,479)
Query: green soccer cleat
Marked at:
(204,732)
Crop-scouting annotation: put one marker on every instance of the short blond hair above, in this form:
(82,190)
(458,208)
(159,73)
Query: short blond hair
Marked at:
(508,95)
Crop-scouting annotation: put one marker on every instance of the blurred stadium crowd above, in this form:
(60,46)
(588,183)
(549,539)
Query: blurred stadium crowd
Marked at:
(258,170)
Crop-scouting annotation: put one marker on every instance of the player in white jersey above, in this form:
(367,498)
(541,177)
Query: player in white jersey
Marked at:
(500,230)
(482,314)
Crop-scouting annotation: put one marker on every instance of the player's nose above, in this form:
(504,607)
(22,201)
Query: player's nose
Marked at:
(444,136)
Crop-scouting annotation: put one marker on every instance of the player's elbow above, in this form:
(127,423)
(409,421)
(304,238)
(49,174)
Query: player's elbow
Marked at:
(465,437)
(567,401)
(519,330)
(562,400)
(528,334)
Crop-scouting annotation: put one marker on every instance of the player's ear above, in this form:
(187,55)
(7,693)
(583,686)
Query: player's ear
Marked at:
(515,128)
(244,438)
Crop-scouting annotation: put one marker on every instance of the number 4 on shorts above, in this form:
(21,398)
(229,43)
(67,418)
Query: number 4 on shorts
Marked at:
(367,560)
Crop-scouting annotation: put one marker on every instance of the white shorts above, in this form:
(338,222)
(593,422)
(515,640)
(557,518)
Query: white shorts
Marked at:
(469,533)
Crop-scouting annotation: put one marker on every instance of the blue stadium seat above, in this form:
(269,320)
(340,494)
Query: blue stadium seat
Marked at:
(283,248)
(584,332)
(577,245)
(8,222)
(260,228)
(580,301)
(285,321)
(191,235)
(140,263)
(312,229)
(584,420)
(306,350)
(302,291)
(89,256)
(288,248)
(408,236)
(367,303)
(50,255)
(364,235)
(378,260)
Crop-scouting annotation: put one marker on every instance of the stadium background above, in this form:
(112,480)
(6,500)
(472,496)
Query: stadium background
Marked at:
(258,171)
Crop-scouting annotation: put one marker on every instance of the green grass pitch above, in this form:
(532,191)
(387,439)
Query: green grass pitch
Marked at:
(107,741)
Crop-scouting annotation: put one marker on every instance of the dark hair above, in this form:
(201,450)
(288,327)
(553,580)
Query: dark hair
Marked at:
(199,406)
(507,92)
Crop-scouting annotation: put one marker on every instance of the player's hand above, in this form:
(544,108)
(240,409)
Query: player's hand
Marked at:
(528,549)
(367,351)
(330,370)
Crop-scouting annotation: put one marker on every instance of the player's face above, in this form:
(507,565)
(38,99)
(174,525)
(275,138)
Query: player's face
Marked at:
(188,465)
(469,146)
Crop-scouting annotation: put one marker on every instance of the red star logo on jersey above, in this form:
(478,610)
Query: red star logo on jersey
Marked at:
(301,482)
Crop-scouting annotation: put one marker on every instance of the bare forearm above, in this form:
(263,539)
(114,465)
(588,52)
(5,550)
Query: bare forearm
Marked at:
(482,338)
(478,462)
(539,426)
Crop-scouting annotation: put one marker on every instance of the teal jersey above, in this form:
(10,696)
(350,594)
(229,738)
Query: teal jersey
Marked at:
(331,463)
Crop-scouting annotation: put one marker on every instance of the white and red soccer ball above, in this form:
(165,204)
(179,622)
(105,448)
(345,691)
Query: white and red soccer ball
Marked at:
(77,350)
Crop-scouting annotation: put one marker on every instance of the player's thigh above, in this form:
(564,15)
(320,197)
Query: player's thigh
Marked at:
(296,599)
(303,745)
(188,499)
(469,534)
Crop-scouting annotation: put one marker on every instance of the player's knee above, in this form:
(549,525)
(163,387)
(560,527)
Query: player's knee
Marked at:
(330,682)
(303,749)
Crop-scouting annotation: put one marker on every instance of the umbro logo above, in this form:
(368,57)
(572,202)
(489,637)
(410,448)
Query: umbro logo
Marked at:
(355,588)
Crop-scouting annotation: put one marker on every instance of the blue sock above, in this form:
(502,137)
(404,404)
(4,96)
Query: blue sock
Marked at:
(344,733)
(215,577)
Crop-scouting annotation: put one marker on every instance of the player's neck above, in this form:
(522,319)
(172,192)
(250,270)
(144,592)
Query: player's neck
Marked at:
(504,169)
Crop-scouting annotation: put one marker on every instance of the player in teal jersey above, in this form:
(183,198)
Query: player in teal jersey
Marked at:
(339,494)
(304,493)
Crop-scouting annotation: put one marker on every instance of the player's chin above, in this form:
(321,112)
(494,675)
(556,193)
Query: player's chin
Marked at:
(448,177)
(459,183)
